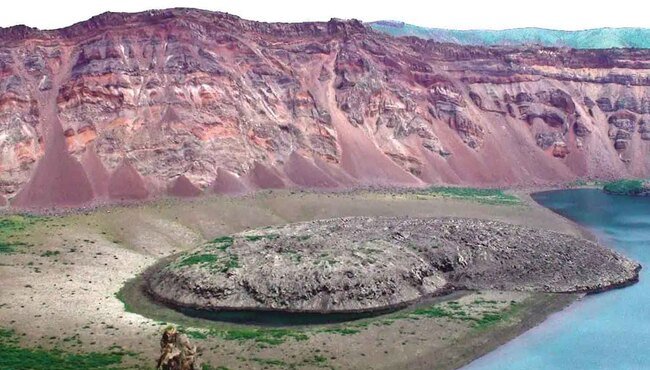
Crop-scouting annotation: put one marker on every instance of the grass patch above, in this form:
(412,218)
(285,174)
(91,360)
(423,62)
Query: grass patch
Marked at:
(12,228)
(294,256)
(486,317)
(268,336)
(211,261)
(625,187)
(261,335)
(489,196)
(195,334)
(210,367)
(223,242)
(120,296)
(269,361)
(254,238)
(15,357)
(196,259)
(320,359)
(341,331)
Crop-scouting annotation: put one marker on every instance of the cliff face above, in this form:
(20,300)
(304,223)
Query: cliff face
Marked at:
(122,105)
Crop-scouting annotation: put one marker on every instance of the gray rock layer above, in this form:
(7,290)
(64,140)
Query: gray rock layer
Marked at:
(365,264)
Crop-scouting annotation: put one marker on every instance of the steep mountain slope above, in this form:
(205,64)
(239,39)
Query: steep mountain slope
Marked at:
(597,38)
(122,105)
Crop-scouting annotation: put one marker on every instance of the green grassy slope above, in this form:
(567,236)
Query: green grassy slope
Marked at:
(585,39)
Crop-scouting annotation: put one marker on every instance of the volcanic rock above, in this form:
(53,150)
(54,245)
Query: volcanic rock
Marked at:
(365,264)
(176,352)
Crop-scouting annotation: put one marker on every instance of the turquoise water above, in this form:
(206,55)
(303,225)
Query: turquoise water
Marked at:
(604,331)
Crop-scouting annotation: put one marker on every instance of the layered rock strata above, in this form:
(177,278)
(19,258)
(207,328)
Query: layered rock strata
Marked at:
(121,106)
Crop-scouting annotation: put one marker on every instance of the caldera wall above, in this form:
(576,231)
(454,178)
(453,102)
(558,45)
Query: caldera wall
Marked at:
(326,104)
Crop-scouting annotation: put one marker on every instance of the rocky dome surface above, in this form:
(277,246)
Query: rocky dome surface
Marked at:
(119,107)
(365,264)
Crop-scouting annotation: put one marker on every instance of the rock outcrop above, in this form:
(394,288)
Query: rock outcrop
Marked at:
(176,352)
(322,104)
(366,264)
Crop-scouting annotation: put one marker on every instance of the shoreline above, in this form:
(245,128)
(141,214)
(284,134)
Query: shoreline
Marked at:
(537,318)
(536,315)
(105,204)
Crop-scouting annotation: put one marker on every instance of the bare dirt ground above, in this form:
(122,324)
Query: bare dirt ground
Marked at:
(59,290)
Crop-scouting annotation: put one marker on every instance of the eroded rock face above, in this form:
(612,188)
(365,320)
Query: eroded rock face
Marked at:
(188,92)
(359,264)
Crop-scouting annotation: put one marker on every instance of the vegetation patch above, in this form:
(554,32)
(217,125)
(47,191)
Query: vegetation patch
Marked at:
(120,296)
(260,335)
(210,367)
(211,261)
(223,242)
(196,259)
(625,187)
(315,361)
(268,336)
(489,196)
(254,238)
(486,315)
(15,357)
(341,331)
(269,361)
(12,228)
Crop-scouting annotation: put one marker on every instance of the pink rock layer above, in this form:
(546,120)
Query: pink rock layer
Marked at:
(101,110)
(228,183)
(183,187)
